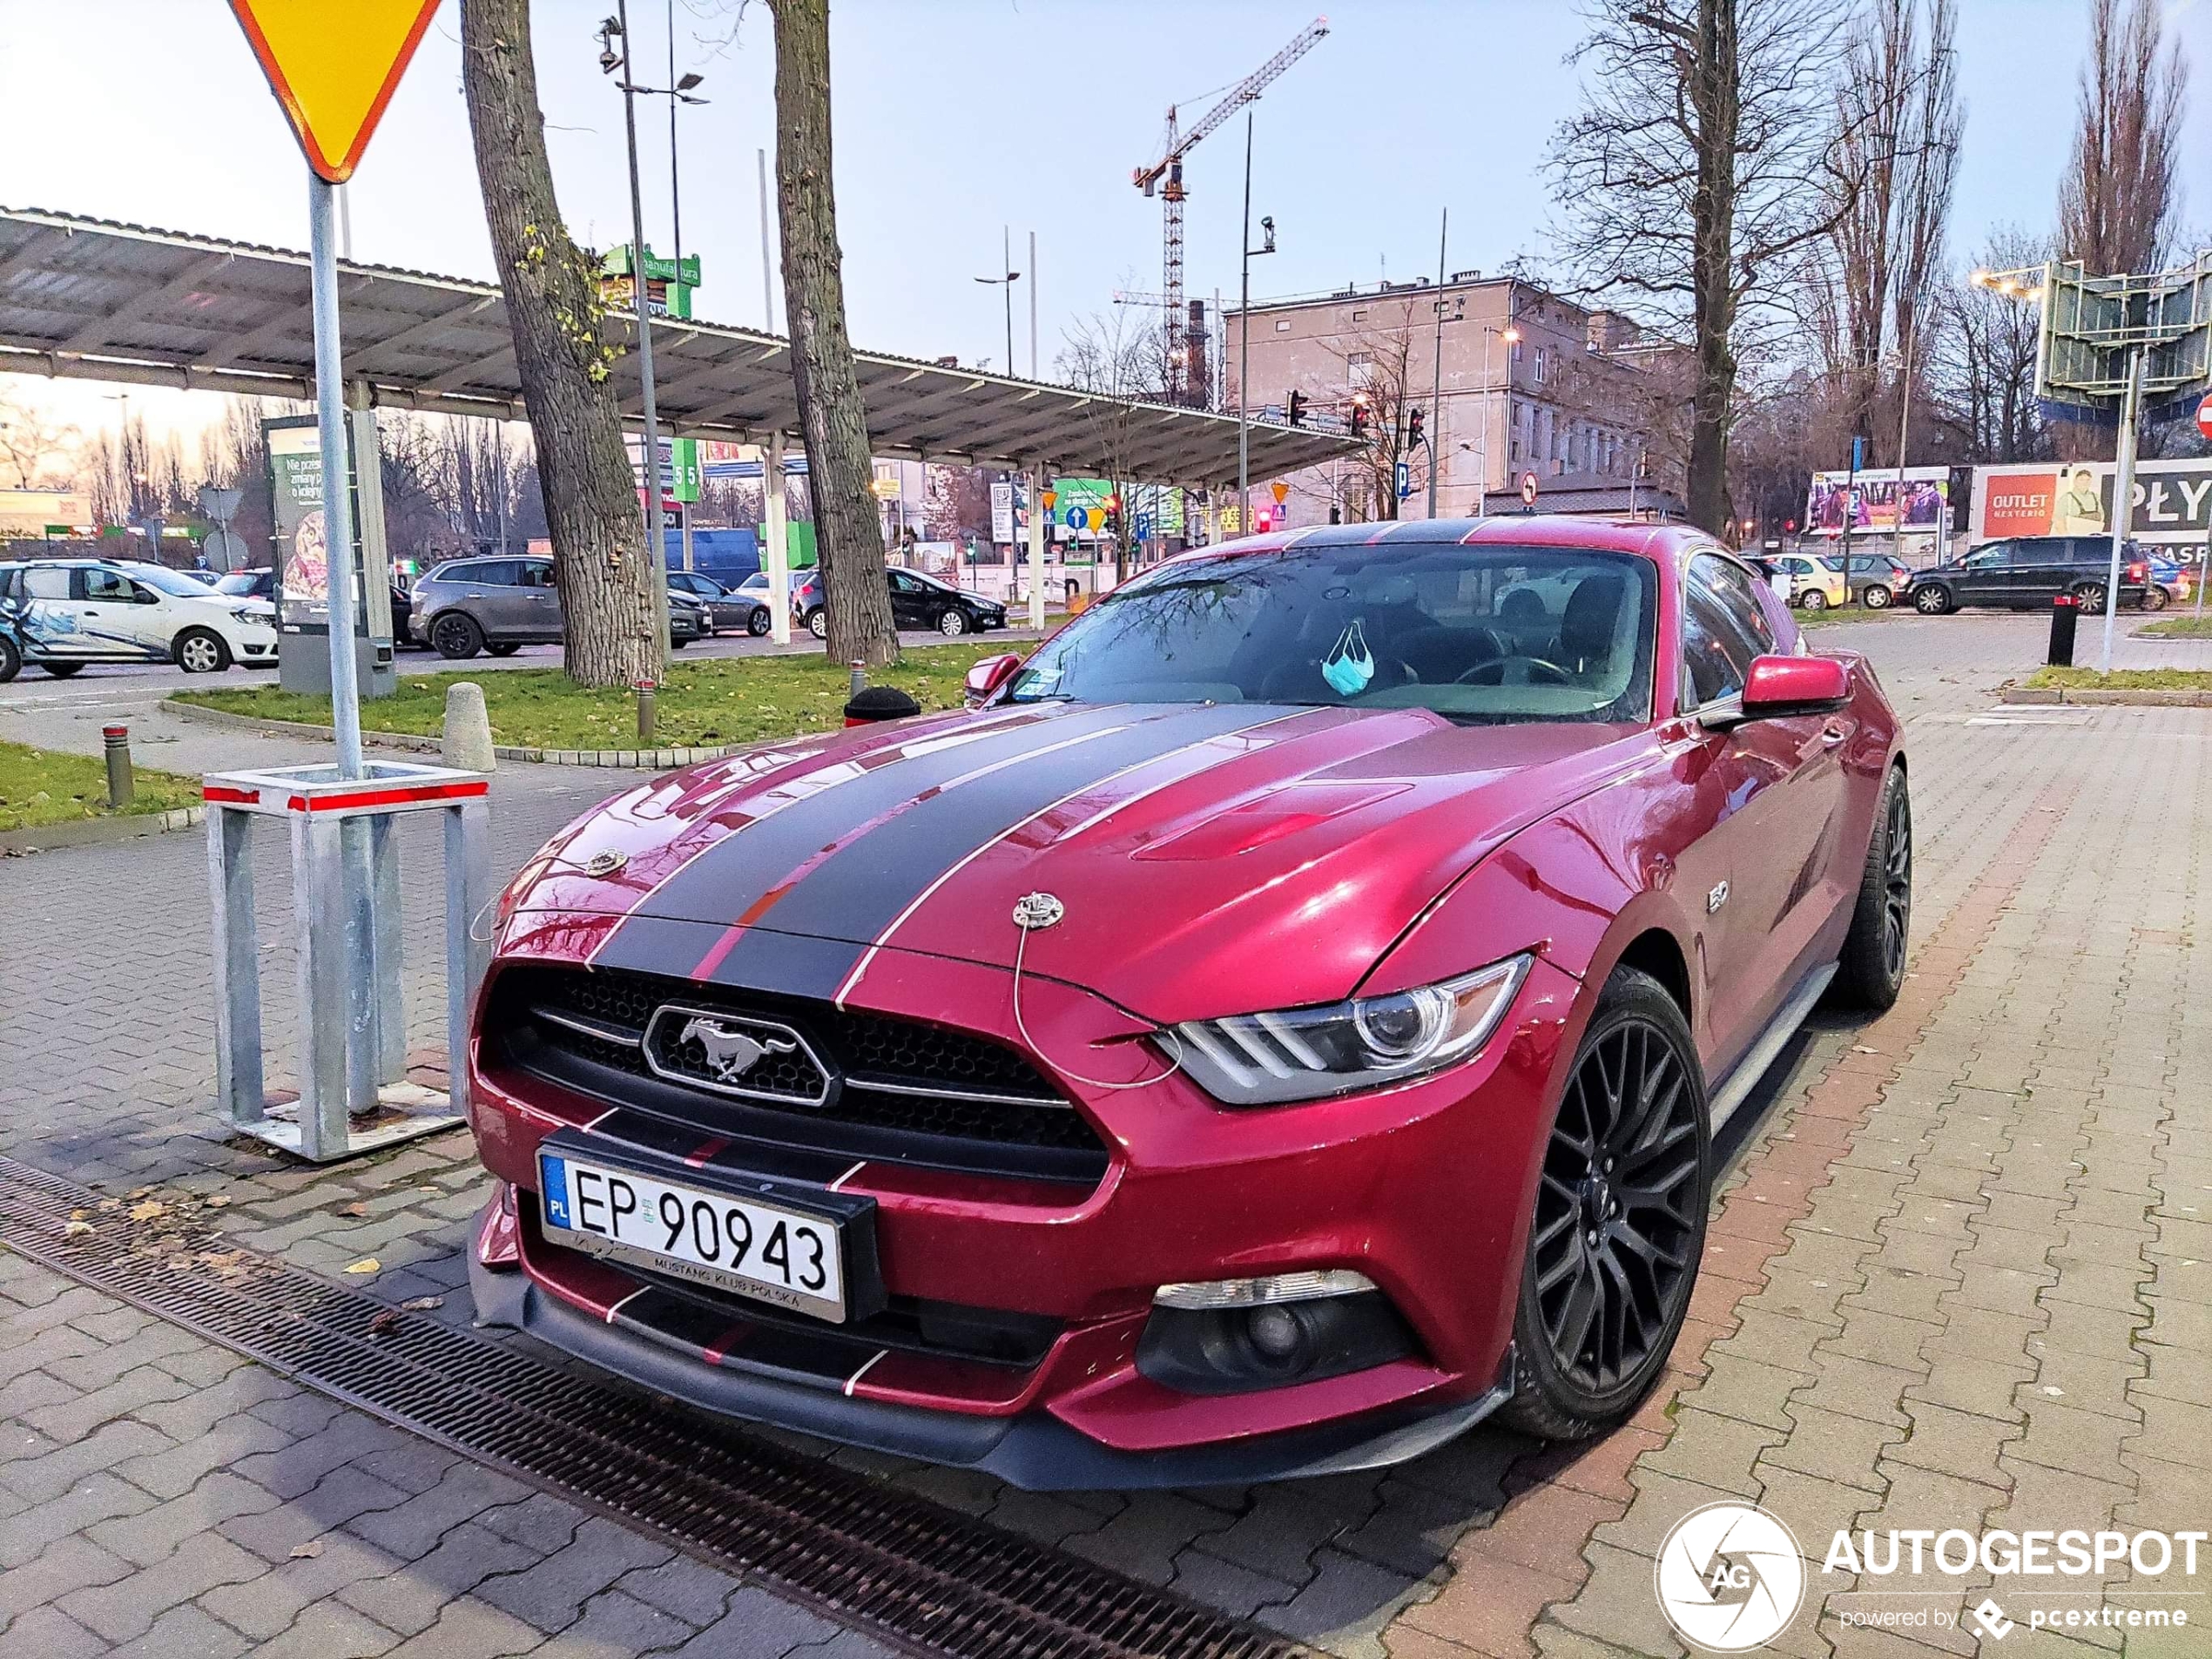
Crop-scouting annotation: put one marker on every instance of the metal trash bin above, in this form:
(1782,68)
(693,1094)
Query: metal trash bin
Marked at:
(355,1095)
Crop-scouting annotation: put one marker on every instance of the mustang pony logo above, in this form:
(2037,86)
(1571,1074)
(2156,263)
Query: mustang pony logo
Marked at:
(729,1054)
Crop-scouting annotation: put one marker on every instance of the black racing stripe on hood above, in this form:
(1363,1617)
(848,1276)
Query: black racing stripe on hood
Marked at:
(726,879)
(799,967)
(862,888)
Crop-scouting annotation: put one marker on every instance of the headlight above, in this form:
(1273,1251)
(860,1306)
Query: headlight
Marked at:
(250,616)
(1303,1054)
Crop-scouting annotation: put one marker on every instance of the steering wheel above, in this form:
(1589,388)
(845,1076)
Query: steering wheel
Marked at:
(1515,669)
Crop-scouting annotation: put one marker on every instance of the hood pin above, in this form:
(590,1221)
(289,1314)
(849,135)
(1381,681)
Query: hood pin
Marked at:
(1036,910)
(605,862)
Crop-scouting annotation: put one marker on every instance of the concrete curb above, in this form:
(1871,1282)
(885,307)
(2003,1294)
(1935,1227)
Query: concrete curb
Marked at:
(645,759)
(2091,698)
(97,831)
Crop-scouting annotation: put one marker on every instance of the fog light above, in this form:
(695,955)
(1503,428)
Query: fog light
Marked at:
(1277,1335)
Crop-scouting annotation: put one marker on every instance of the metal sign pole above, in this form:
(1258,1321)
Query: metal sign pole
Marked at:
(2123,499)
(337,507)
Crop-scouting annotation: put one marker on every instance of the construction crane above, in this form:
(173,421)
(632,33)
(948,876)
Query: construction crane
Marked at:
(1164,178)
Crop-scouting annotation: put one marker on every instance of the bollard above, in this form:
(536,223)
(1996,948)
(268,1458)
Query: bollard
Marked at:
(120,784)
(859,681)
(648,715)
(2066,615)
(466,745)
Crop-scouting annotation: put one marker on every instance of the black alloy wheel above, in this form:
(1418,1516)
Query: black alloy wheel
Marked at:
(756,623)
(456,635)
(1619,1217)
(11,659)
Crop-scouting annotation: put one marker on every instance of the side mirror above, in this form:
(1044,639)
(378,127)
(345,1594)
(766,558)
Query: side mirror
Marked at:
(1780,685)
(991,672)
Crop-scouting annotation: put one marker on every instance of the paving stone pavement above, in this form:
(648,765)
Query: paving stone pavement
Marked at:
(1946,1216)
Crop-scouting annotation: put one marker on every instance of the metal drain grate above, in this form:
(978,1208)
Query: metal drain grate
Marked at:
(928,1577)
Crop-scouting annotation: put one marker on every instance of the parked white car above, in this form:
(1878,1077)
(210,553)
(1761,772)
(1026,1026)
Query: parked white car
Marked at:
(65,613)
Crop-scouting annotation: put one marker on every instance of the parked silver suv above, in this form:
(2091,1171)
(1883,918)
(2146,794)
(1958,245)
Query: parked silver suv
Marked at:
(465,606)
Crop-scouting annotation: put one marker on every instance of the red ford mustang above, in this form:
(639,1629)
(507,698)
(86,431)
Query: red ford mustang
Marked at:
(1283,1024)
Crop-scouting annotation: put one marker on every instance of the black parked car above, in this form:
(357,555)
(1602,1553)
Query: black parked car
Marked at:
(261,584)
(2028,572)
(917,601)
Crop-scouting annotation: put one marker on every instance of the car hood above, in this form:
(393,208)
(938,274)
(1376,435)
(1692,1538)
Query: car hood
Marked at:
(1206,858)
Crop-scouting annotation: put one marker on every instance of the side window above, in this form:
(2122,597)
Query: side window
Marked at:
(1714,661)
(536,573)
(1731,587)
(46,581)
(108,587)
(901,583)
(498,573)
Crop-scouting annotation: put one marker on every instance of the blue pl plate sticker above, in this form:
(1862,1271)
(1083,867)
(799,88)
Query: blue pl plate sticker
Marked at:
(553,1187)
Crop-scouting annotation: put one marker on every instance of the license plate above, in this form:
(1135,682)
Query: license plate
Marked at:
(761,1250)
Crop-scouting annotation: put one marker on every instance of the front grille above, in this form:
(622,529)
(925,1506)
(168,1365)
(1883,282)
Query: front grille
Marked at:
(869,1083)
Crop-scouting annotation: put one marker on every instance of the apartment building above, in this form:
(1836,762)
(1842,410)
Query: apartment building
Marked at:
(1531,382)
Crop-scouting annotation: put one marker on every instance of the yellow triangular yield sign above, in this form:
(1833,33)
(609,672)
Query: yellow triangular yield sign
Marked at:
(333,67)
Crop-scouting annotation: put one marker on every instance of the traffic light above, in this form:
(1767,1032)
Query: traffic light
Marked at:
(1416,419)
(1298,408)
(1360,416)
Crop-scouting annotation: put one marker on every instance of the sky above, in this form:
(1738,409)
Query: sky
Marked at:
(953,119)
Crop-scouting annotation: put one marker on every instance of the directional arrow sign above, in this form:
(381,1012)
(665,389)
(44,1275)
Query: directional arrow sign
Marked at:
(333,68)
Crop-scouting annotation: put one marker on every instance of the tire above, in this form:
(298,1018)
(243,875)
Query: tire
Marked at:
(1812,599)
(818,623)
(502,647)
(11,659)
(1871,971)
(2154,598)
(2090,596)
(1933,599)
(951,622)
(63,670)
(1565,1387)
(456,635)
(1876,597)
(676,642)
(756,623)
(199,651)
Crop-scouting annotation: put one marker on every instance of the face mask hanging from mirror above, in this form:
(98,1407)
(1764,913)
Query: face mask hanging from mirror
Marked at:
(1349,666)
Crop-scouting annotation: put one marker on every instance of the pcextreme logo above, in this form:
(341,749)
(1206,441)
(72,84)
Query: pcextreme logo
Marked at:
(1729,1577)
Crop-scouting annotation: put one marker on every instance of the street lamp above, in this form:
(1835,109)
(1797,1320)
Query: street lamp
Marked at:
(614,29)
(1511,335)
(1006,281)
(1244,340)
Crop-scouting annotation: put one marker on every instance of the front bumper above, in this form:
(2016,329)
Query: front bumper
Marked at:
(1425,1189)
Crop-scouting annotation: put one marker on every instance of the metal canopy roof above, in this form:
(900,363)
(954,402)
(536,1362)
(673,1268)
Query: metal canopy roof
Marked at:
(95,300)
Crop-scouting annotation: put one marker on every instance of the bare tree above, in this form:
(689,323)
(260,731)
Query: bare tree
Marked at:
(551,287)
(1897,124)
(1984,364)
(36,447)
(1701,165)
(2121,196)
(849,536)
(1122,355)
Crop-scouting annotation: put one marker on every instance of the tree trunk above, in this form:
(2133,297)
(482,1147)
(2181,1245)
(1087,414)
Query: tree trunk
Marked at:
(1715,97)
(856,592)
(551,285)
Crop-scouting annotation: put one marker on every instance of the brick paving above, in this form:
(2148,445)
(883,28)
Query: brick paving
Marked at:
(1953,1277)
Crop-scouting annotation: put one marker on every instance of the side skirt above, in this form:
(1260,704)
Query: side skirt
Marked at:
(1731,1093)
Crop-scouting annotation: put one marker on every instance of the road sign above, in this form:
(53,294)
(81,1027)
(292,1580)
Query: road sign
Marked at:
(1528,488)
(333,68)
(1282,493)
(2204,415)
(1405,481)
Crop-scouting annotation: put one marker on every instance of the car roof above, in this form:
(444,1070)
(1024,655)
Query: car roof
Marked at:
(1659,543)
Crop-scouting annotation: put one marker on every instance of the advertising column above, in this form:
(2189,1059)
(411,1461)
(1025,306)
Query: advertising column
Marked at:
(303,568)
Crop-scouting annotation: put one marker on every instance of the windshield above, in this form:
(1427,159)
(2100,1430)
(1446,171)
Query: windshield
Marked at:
(237,582)
(1483,634)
